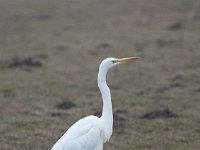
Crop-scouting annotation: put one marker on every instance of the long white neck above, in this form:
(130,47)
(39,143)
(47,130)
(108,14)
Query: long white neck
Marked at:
(107,114)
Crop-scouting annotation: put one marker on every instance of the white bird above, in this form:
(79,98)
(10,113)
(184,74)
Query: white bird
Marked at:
(91,132)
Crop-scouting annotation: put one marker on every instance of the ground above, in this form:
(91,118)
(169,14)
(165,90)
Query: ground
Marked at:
(50,53)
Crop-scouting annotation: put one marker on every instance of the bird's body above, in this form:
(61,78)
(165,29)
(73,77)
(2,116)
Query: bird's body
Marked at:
(90,133)
(83,135)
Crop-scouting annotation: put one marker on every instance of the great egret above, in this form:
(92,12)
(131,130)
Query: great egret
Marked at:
(91,132)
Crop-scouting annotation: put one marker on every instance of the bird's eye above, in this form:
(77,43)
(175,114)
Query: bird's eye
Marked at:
(114,61)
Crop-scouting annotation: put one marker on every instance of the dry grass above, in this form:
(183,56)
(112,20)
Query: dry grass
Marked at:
(50,53)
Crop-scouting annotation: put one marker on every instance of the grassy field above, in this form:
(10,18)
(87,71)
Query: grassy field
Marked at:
(49,57)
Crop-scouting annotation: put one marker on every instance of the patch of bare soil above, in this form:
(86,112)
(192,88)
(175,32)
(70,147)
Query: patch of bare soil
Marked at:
(62,47)
(178,77)
(162,114)
(56,114)
(101,48)
(66,105)
(169,42)
(103,45)
(175,25)
(119,118)
(24,63)
(175,82)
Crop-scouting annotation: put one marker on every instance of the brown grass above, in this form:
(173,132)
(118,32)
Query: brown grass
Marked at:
(68,39)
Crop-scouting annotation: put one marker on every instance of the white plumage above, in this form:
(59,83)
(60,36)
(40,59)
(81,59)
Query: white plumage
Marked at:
(83,135)
(90,133)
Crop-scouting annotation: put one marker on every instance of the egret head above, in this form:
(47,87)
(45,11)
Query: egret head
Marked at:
(108,63)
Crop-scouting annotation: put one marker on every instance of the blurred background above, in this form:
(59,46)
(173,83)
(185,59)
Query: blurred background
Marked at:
(49,57)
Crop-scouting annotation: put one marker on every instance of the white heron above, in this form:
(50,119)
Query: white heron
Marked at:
(91,132)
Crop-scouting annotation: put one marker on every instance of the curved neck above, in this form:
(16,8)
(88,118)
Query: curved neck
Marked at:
(107,114)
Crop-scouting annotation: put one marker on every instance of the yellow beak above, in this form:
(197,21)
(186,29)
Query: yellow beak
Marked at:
(127,59)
